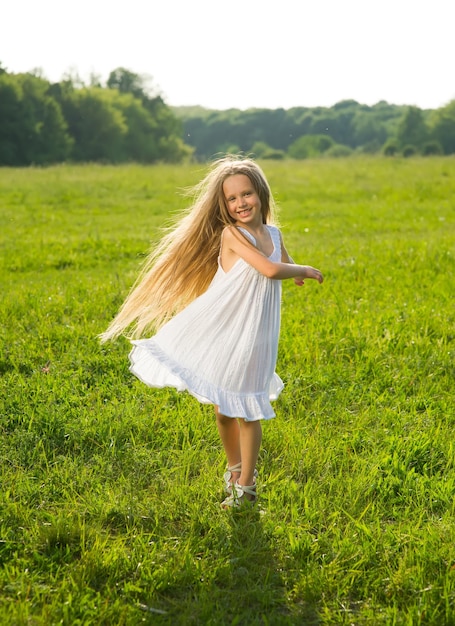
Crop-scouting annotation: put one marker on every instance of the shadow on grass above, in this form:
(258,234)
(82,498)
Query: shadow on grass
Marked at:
(257,580)
(255,591)
(240,580)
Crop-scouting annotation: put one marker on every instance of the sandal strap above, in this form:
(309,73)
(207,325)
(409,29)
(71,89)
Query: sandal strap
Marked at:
(235,468)
(249,489)
(227,476)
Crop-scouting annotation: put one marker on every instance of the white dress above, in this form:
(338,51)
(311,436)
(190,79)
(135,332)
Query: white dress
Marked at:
(222,348)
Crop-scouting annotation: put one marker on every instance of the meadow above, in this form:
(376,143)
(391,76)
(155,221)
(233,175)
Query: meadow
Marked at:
(110,491)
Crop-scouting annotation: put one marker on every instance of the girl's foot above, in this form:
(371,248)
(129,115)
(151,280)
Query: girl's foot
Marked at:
(240,495)
(231,475)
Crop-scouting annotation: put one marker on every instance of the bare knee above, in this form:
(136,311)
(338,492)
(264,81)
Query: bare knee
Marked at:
(251,425)
(222,419)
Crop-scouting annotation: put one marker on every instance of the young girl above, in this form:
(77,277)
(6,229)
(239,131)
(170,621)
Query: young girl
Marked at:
(212,290)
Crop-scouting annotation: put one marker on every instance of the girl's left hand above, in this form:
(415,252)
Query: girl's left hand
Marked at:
(310,272)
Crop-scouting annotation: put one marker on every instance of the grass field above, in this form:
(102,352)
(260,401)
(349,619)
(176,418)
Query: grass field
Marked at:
(110,491)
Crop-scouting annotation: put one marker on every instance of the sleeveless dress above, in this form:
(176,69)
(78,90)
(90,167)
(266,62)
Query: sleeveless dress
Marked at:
(222,348)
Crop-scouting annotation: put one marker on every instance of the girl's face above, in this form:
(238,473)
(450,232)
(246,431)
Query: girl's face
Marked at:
(242,200)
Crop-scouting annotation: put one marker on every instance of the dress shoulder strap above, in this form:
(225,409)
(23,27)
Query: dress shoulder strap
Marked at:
(247,234)
(274,232)
(273,229)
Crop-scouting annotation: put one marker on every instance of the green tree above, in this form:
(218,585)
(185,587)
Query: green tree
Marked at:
(52,140)
(335,123)
(338,150)
(431,148)
(275,154)
(261,150)
(168,131)
(443,127)
(310,146)
(125,81)
(139,142)
(368,131)
(96,124)
(301,122)
(11,122)
(409,151)
(391,147)
(156,132)
(412,129)
(32,126)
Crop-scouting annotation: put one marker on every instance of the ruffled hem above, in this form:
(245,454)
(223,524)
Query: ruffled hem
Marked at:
(156,369)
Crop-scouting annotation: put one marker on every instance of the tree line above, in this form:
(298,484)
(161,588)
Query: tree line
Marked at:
(124,120)
(127,120)
(346,128)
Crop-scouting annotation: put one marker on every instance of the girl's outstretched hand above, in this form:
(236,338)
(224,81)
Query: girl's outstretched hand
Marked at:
(310,272)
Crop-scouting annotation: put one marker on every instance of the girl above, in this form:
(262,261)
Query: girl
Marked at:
(212,290)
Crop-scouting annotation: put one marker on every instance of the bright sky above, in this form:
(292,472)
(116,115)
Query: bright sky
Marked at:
(244,53)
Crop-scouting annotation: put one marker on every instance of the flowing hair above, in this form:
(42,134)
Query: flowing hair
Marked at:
(182,265)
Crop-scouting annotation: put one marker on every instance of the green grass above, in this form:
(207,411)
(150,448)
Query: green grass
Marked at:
(109,501)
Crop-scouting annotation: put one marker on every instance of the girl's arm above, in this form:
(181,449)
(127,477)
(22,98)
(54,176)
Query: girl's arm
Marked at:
(242,248)
(285,257)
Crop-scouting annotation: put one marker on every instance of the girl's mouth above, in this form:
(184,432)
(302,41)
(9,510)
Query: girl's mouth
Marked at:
(243,212)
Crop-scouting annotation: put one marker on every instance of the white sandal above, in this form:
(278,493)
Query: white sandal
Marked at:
(237,497)
(227,476)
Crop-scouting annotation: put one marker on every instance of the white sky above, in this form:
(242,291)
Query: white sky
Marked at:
(244,53)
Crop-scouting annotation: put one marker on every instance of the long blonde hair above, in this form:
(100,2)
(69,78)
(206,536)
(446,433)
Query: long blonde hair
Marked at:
(184,262)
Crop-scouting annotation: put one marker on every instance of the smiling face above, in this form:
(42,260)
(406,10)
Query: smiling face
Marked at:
(242,200)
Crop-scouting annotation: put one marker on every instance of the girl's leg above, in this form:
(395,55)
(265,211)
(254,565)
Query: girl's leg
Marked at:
(229,431)
(250,444)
